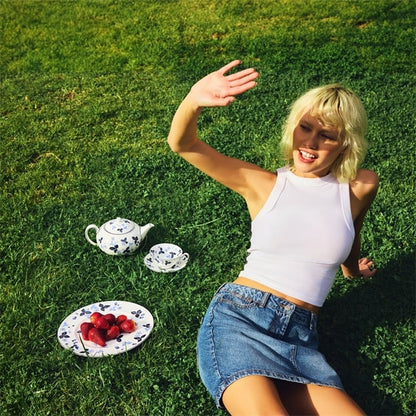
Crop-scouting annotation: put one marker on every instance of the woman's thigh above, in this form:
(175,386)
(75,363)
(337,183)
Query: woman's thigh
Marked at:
(253,396)
(259,395)
(311,399)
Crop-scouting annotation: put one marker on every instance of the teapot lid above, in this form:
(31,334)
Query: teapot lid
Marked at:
(119,226)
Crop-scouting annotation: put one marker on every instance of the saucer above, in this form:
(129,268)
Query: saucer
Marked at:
(148,261)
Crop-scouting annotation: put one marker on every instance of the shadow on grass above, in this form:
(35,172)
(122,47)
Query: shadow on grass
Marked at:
(350,321)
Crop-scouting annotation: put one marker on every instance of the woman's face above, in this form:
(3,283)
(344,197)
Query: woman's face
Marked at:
(315,147)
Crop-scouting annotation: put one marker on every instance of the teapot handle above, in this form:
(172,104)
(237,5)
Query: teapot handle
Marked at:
(88,237)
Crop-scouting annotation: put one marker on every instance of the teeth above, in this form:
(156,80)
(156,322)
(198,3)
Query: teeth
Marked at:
(307,155)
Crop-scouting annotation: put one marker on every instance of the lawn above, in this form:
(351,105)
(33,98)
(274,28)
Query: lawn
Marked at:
(87,92)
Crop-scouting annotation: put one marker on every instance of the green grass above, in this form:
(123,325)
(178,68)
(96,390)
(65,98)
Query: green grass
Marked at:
(88,90)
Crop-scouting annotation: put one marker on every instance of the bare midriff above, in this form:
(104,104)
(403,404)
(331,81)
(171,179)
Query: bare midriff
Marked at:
(244,281)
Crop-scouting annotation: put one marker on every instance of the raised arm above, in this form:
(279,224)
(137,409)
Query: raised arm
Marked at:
(217,90)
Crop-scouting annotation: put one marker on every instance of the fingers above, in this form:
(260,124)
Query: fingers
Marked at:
(239,77)
(366,267)
(242,81)
(229,66)
(249,73)
(242,88)
(242,78)
(240,85)
(366,274)
(365,260)
(218,89)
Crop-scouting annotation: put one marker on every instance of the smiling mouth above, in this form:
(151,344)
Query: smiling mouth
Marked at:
(307,155)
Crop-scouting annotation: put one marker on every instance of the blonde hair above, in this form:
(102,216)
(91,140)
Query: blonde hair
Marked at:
(337,107)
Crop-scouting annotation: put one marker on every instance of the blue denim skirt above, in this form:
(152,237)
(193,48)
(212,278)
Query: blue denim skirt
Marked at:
(246,331)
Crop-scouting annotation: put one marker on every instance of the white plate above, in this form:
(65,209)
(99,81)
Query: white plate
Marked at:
(69,333)
(148,261)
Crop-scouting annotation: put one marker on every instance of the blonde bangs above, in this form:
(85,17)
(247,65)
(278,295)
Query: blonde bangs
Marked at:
(336,107)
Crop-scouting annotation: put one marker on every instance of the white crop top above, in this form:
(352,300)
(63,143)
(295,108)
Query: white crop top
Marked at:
(300,237)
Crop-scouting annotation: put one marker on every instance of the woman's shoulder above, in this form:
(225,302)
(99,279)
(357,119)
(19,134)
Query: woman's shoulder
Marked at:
(365,180)
(364,188)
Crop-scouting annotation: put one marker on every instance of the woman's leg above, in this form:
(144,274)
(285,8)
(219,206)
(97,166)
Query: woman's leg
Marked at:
(263,396)
(253,396)
(332,401)
(310,399)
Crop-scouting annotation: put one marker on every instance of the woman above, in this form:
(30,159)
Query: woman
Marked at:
(257,346)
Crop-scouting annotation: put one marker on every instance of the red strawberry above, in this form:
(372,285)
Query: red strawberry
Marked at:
(110,318)
(128,325)
(85,327)
(120,319)
(97,335)
(94,316)
(112,332)
(102,323)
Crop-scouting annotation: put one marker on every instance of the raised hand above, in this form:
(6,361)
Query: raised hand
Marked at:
(218,89)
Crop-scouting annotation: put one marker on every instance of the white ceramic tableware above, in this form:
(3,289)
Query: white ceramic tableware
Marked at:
(118,237)
(69,332)
(152,265)
(167,255)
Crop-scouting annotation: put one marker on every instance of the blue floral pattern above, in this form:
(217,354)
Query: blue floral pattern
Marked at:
(165,258)
(118,237)
(69,333)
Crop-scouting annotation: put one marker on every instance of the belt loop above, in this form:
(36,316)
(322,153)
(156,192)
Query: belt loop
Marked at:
(265,299)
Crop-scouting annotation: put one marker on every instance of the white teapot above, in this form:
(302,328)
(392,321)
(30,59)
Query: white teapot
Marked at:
(118,237)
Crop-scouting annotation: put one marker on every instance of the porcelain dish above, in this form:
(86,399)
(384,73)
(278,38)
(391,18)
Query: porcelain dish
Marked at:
(155,267)
(69,333)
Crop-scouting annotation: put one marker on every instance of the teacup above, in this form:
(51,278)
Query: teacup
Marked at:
(167,255)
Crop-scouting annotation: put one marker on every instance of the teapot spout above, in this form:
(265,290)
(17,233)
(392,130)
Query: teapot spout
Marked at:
(145,229)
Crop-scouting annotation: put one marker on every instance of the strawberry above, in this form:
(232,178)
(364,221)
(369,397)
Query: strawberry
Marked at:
(97,335)
(94,316)
(128,325)
(112,332)
(120,319)
(102,323)
(85,327)
(110,318)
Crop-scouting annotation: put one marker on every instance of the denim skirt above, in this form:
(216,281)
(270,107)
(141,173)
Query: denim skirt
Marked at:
(246,331)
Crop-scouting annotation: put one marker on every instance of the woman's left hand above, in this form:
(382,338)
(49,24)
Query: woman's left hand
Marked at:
(366,268)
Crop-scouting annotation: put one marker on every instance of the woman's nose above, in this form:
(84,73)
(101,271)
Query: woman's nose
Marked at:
(311,141)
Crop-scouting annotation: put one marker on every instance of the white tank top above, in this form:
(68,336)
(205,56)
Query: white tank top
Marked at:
(301,236)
